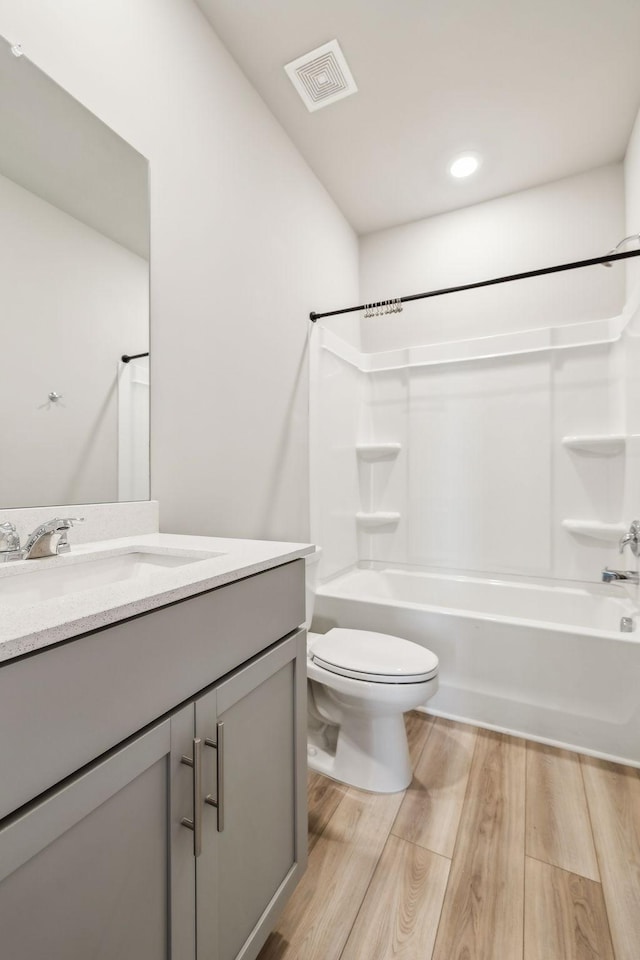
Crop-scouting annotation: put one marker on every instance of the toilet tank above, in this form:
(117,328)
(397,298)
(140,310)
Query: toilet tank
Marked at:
(311,579)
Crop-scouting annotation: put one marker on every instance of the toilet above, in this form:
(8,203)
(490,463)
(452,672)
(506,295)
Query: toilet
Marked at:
(360,684)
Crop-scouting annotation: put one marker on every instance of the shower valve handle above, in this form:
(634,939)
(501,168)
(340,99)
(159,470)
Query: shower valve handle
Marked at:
(632,538)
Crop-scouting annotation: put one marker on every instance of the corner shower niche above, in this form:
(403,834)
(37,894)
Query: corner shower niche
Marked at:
(601,463)
(375,462)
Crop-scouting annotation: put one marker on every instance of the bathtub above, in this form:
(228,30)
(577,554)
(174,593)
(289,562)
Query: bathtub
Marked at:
(535,659)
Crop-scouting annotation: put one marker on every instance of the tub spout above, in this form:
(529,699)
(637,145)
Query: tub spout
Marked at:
(620,576)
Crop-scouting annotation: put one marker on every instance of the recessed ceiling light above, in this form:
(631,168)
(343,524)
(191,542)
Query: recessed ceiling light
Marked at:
(464,166)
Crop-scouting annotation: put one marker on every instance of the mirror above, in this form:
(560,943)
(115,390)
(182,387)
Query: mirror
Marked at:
(74,282)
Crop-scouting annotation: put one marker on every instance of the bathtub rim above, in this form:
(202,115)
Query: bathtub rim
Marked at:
(324,590)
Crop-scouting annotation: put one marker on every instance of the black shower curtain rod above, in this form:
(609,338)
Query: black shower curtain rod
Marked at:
(608,258)
(127,358)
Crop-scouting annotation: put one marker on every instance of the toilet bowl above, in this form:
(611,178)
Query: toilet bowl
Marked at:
(360,684)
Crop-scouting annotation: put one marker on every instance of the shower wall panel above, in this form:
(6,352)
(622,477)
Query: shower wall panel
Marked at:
(479,492)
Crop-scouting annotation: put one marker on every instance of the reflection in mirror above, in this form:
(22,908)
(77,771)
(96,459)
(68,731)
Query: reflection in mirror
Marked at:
(74,275)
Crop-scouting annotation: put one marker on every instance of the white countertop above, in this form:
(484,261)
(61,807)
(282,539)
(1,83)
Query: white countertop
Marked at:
(28,628)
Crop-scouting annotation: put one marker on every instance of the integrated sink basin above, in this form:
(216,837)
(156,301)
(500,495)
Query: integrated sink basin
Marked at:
(64,576)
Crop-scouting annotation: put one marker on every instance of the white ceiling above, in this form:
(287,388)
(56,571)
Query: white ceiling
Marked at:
(541,89)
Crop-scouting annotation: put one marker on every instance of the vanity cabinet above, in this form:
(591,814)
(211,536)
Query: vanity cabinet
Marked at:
(254,841)
(84,872)
(184,841)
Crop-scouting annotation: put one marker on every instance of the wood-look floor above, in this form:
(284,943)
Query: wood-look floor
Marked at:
(500,849)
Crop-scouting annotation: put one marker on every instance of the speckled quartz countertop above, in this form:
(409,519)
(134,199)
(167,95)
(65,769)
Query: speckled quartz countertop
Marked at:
(29,625)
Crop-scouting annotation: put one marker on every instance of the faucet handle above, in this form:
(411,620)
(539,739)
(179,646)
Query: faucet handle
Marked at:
(63,545)
(9,535)
(632,537)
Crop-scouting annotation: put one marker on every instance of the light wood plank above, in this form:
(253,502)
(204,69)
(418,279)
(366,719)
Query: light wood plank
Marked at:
(482,917)
(317,920)
(324,795)
(418,728)
(565,916)
(613,794)
(400,913)
(430,811)
(558,826)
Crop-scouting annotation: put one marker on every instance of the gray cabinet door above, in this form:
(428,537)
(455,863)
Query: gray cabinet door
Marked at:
(255,839)
(85,872)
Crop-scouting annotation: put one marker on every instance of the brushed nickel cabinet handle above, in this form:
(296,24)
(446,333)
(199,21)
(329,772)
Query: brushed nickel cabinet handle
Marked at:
(218,746)
(196,823)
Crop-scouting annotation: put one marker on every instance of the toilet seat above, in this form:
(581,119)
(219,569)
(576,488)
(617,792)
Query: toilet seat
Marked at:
(376,657)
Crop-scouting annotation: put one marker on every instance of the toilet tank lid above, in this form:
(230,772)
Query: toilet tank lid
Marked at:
(377,654)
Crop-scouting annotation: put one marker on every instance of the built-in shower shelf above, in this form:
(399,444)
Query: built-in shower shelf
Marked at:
(610,532)
(603,445)
(381,518)
(378,451)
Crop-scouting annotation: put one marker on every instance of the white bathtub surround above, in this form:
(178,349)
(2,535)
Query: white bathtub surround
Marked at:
(434,455)
(216,561)
(537,659)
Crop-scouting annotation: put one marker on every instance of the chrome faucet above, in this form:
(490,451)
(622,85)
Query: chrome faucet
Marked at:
(40,544)
(620,576)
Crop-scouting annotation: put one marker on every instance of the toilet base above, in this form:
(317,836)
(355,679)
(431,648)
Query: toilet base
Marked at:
(369,752)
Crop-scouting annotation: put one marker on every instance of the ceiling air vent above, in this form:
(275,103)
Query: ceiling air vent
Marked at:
(322,76)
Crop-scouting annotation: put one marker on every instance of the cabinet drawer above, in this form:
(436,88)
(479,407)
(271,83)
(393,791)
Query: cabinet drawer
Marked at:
(63,707)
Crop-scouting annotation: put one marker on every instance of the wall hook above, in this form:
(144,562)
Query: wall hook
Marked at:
(54,396)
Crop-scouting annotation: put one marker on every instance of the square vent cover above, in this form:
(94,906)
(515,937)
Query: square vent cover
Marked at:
(322,76)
